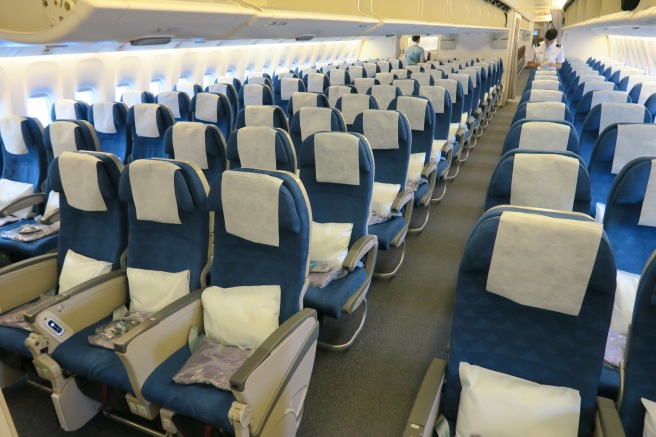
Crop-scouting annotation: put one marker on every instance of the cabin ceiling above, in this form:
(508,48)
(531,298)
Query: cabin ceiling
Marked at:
(533,10)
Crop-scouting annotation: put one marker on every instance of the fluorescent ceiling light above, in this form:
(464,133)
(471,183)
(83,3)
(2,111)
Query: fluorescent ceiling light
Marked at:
(558,4)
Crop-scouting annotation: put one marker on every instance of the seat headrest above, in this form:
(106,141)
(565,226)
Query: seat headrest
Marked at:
(384,94)
(415,108)
(543,262)
(337,158)
(603,96)
(335,92)
(289,86)
(208,107)
(103,117)
(145,119)
(188,140)
(437,95)
(338,77)
(464,80)
(132,97)
(545,110)
(407,86)
(304,100)
(385,78)
(544,135)
(364,84)
(313,120)
(13,134)
(253,94)
(596,86)
(538,85)
(256,147)
(538,95)
(259,115)
(316,82)
(451,86)
(65,109)
(63,137)
(172,100)
(620,113)
(220,88)
(84,181)
(425,79)
(633,141)
(188,88)
(354,104)
(381,128)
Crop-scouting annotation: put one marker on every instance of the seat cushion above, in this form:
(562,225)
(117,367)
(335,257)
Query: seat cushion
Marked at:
(421,191)
(609,383)
(19,250)
(386,231)
(442,169)
(201,402)
(453,128)
(13,339)
(94,363)
(328,301)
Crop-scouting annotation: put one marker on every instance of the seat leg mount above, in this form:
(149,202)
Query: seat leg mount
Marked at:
(240,417)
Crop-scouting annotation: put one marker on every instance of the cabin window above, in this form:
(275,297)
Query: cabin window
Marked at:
(38,106)
(120,89)
(155,86)
(86,95)
(230,73)
(184,79)
(208,78)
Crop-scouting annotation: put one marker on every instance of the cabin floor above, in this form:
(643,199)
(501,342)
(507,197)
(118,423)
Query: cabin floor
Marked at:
(369,389)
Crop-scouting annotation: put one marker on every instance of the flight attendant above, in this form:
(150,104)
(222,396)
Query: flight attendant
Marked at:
(548,55)
(415,54)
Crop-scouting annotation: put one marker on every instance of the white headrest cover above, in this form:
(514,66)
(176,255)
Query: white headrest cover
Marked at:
(608,96)
(257,147)
(548,79)
(364,84)
(62,137)
(12,134)
(338,77)
(153,190)
(256,115)
(543,262)
(303,100)
(464,80)
(415,109)
(648,89)
(597,86)
(648,211)
(634,80)
(103,117)
(132,97)
(407,86)
(225,79)
(255,74)
(335,92)
(546,73)
(65,109)
(185,87)
(145,119)
(206,107)
(630,72)
(423,79)
(586,79)
(381,128)
(354,104)
(582,73)
(546,96)
(189,143)
(257,80)
(253,94)
(79,178)
(401,74)
(542,135)
(337,158)
(315,120)
(355,72)
(217,88)
(544,181)
(171,99)
(414,69)
(545,85)
(384,94)
(633,141)
(385,78)
(437,96)
(316,82)
(370,69)
(288,87)
(384,66)
(451,86)
(620,113)
(545,110)
(250,206)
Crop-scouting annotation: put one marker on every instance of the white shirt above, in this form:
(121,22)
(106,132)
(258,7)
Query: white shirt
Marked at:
(555,53)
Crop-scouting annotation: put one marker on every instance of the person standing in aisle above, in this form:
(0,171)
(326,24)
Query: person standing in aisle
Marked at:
(415,54)
(548,55)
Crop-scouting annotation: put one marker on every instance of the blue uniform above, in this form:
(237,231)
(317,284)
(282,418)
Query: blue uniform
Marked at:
(413,54)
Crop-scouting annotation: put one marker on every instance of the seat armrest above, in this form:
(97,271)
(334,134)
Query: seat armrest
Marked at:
(360,249)
(608,419)
(26,280)
(447,147)
(424,411)
(150,343)
(402,200)
(22,203)
(52,217)
(429,169)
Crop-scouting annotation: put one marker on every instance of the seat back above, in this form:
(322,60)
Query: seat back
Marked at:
(338,180)
(178,102)
(364,84)
(395,64)
(255,94)
(467,89)
(236,83)
(316,82)
(629,82)
(571,89)
(421,116)
(620,78)
(415,69)
(211,108)
(642,91)
(384,66)
(441,101)
(264,148)
(585,88)
(148,123)
(134,97)
(167,212)
(384,94)
(308,121)
(109,119)
(283,73)
(230,93)
(268,116)
(339,77)
(534,95)
(390,138)
(548,111)
(23,155)
(594,98)
(189,88)
(94,221)
(544,84)
(351,105)
(385,78)
(356,72)
(401,73)
(265,242)
(475,76)
(426,79)
(492,329)
(457,96)
(69,136)
(556,136)
(259,79)
(68,109)
(306,100)
(335,92)
(371,69)
(284,89)
(200,143)
(408,87)
(540,179)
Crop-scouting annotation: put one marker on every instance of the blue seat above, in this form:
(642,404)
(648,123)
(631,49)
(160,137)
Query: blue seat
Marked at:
(261,147)
(229,80)
(627,78)
(497,331)
(338,77)
(427,79)
(283,73)
(612,69)
(385,78)
(245,260)
(200,143)
(268,116)
(303,100)
(308,121)
(285,88)
(68,109)
(457,129)
(587,87)
(466,120)
(603,115)
(384,94)
(643,94)
(363,85)
(408,87)
(594,98)
(255,94)
(401,73)
(148,123)
(356,72)
(230,93)
(350,105)
(415,69)
(545,111)
(578,80)
(371,69)
(69,136)
(316,82)
(384,66)
(211,108)
(538,95)
(133,97)
(178,102)
(189,88)
(335,198)
(335,92)
(109,119)
(616,146)
(559,136)
(540,179)
(259,78)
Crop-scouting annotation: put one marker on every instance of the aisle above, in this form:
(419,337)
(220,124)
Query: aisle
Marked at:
(369,389)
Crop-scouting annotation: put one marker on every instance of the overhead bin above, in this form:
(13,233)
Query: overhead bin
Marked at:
(598,16)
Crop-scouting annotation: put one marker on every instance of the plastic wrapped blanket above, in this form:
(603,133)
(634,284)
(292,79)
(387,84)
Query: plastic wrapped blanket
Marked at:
(31,232)
(213,364)
(615,347)
(15,319)
(106,334)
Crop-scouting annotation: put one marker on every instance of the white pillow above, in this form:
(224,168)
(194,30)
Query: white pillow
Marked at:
(625,296)
(241,316)
(11,190)
(79,268)
(415,166)
(329,243)
(600,211)
(493,404)
(52,203)
(151,290)
(650,418)
(382,197)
